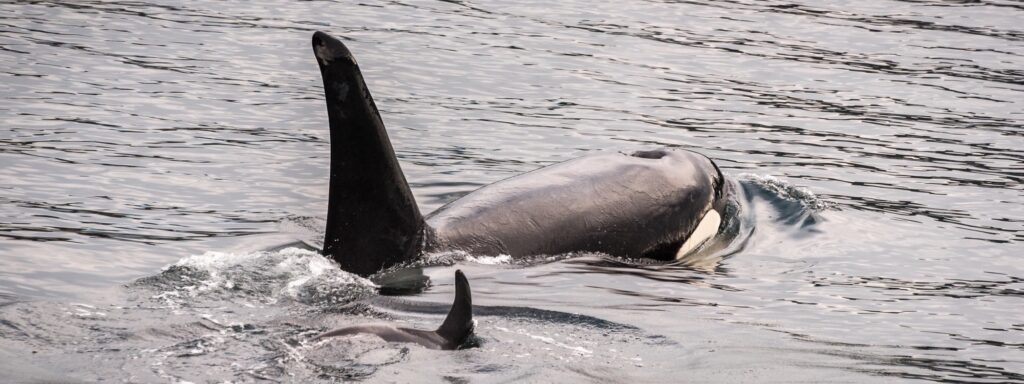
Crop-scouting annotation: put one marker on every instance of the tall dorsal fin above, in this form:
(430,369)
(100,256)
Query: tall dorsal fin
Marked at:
(459,323)
(373,221)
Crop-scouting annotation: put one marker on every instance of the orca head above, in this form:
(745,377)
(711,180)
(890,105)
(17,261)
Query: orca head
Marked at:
(709,203)
(711,220)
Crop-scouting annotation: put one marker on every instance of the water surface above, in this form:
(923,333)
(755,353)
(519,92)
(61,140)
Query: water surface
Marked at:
(150,150)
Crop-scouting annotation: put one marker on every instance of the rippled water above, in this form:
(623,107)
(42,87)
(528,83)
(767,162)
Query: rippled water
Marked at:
(149,151)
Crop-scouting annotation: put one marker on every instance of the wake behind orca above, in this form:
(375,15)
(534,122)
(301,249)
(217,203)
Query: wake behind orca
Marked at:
(660,204)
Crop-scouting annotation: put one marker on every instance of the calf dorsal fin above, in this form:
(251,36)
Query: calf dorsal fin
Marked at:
(452,334)
(459,323)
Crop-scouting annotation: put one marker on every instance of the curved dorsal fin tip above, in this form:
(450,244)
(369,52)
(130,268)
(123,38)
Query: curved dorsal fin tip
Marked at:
(459,323)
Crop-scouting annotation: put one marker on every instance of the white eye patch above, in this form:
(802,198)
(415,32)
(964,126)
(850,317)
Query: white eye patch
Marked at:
(706,229)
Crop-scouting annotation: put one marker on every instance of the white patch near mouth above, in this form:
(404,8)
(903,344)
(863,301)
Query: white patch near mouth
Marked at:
(707,228)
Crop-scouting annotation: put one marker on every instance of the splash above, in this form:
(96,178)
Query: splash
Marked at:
(788,192)
(449,258)
(490,260)
(292,274)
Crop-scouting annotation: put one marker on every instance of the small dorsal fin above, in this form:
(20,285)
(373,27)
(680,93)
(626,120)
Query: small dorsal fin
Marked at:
(459,323)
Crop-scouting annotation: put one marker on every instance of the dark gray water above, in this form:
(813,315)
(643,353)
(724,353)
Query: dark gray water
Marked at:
(148,151)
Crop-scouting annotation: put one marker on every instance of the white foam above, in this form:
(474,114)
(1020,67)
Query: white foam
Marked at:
(490,260)
(284,273)
(211,261)
(577,349)
(787,191)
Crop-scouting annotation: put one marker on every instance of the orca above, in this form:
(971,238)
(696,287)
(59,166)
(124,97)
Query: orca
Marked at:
(453,333)
(660,204)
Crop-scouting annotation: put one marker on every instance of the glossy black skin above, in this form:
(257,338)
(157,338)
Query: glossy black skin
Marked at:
(643,204)
(372,219)
(452,334)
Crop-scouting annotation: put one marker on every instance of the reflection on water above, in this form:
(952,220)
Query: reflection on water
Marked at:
(878,146)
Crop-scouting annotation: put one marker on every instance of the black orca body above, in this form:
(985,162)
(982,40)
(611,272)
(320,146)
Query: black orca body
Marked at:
(452,334)
(659,204)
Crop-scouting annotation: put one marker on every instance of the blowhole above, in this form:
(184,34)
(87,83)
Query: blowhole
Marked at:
(653,154)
